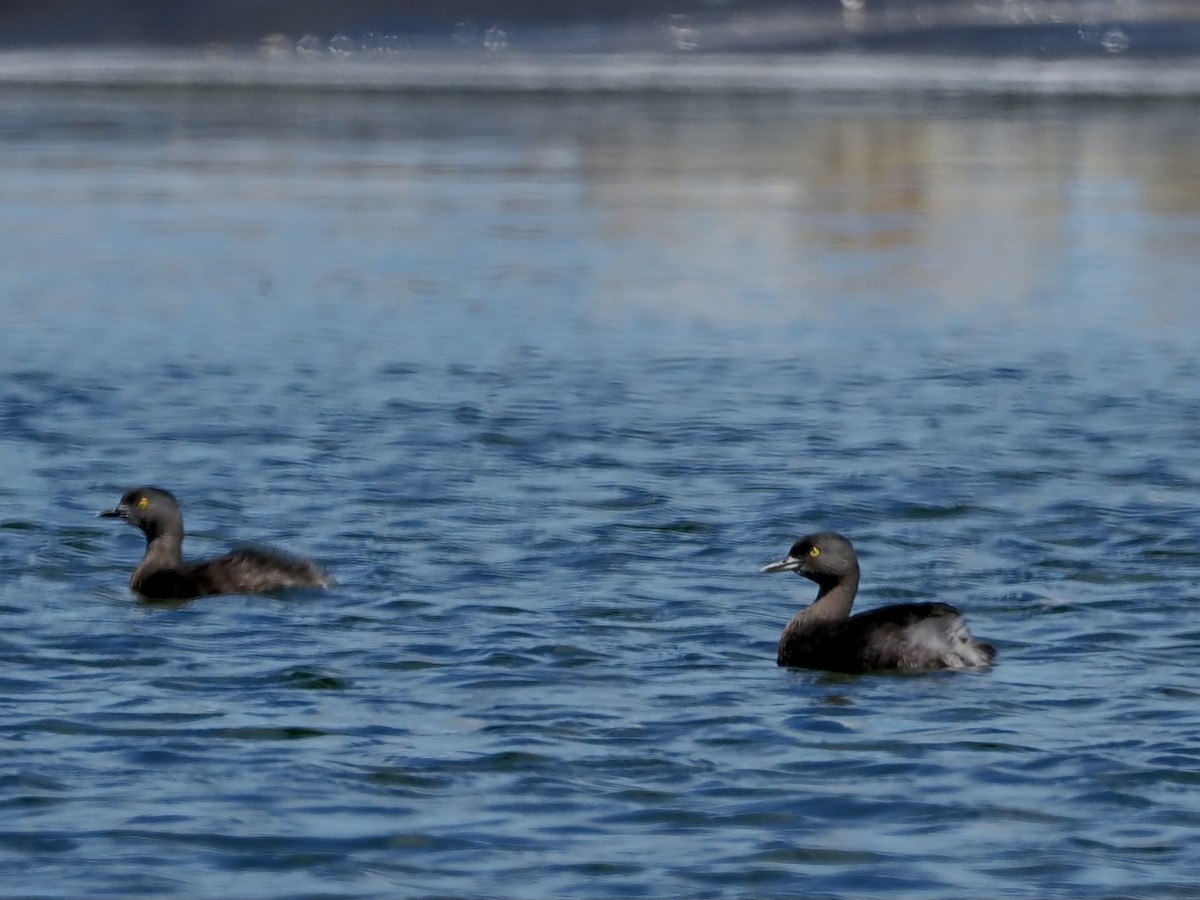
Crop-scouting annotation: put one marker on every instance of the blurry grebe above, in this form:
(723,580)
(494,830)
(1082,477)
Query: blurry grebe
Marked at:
(909,636)
(163,575)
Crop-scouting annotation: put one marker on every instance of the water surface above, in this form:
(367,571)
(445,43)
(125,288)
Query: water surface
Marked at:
(543,380)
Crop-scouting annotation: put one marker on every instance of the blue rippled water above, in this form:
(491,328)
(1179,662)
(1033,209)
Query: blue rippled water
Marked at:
(543,380)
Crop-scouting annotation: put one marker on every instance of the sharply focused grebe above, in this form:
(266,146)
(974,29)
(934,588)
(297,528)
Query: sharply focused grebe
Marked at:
(908,636)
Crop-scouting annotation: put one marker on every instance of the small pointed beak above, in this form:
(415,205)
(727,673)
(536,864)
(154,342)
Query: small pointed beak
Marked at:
(787,564)
(117,512)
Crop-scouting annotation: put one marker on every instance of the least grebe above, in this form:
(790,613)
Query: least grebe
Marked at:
(163,575)
(907,636)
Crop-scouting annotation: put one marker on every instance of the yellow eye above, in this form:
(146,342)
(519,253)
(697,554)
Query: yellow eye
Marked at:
(143,502)
(814,552)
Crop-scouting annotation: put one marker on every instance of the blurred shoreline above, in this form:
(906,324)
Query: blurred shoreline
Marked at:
(1036,29)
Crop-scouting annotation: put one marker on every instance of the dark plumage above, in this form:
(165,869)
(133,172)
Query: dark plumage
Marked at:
(908,636)
(163,575)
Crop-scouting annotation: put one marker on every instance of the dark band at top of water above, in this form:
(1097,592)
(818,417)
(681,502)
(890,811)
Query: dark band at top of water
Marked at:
(1030,28)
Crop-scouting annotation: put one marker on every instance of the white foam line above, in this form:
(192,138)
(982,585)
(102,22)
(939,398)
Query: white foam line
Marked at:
(624,73)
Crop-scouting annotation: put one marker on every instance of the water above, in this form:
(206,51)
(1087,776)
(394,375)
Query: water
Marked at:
(543,380)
